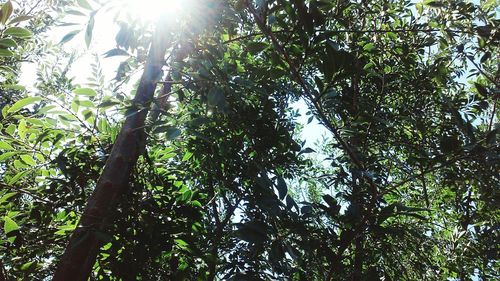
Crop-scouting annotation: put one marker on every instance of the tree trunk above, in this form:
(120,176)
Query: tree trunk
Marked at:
(81,252)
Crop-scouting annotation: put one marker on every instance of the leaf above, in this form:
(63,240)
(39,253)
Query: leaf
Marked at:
(369,47)
(282,188)
(85,103)
(481,90)
(7,196)
(89,30)
(20,19)
(9,225)
(290,203)
(5,12)
(252,232)
(85,92)
(7,155)
(84,4)
(28,160)
(256,47)
(5,146)
(330,200)
(18,32)
(216,97)
(308,150)
(28,265)
(70,35)
(187,156)
(22,103)
(485,57)
(6,53)
(116,52)
(434,3)
(17,177)
(171,131)
(7,43)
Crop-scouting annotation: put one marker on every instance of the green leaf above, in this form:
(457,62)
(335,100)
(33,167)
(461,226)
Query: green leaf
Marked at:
(369,47)
(22,103)
(6,53)
(186,195)
(17,177)
(18,32)
(187,156)
(85,103)
(7,155)
(85,92)
(9,225)
(7,43)
(7,196)
(28,159)
(27,265)
(5,12)
(20,19)
(5,146)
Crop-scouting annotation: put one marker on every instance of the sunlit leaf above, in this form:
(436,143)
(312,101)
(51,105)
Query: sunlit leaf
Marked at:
(6,197)
(369,47)
(6,53)
(28,159)
(7,43)
(9,225)
(5,12)
(17,177)
(5,146)
(18,32)
(85,92)
(23,103)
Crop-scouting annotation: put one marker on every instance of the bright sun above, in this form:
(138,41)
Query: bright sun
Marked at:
(151,10)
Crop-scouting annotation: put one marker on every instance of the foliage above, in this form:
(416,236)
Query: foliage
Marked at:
(404,186)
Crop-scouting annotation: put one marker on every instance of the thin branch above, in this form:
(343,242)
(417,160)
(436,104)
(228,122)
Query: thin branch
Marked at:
(25,192)
(380,31)
(493,114)
(482,72)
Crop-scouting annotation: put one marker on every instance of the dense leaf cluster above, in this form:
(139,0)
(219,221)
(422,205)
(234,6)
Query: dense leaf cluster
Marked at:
(404,185)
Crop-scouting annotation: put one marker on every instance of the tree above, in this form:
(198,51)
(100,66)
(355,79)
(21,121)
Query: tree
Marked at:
(219,182)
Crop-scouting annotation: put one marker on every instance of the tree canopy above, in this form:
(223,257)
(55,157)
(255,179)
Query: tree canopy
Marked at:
(249,140)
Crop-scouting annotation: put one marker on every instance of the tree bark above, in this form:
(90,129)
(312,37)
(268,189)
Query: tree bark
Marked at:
(2,272)
(81,252)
